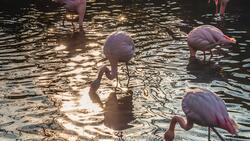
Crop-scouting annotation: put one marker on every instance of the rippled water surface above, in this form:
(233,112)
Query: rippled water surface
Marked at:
(46,69)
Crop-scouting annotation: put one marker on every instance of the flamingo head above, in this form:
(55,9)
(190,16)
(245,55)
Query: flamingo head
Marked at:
(169,135)
(225,40)
(94,86)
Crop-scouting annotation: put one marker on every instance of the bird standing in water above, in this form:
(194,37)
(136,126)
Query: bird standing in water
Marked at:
(204,108)
(205,38)
(223,5)
(78,6)
(119,47)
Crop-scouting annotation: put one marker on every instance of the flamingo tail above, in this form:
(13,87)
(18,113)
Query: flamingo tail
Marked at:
(231,126)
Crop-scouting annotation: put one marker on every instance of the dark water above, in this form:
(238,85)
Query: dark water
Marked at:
(46,69)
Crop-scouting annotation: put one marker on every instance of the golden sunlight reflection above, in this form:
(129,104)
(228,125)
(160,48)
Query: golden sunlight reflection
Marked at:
(122,18)
(79,77)
(51,30)
(97,34)
(83,103)
(86,102)
(71,16)
(95,52)
(85,131)
(71,64)
(60,47)
(93,44)
(79,58)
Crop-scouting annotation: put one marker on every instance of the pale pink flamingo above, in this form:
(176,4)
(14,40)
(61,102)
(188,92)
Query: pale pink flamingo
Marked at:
(78,6)
(205,38)
(223,5)
(119,47)
(204,108)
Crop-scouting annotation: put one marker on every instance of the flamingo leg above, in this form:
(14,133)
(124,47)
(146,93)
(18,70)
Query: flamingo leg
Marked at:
(127,73)
(63,20)
(127,69)
(204,54)
(215,131)
(217,5)
(209,134)
(72,18)
(211,55)
(117,80)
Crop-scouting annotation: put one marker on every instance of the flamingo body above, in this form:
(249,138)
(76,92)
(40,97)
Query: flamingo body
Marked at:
(78,6)
(119,47)
(205,38)
(204,108)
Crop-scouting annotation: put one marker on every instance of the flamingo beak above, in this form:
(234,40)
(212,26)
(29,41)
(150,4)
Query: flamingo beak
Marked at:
(232,40)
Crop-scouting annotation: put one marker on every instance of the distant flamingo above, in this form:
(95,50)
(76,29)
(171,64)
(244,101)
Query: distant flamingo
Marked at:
(204,108)
(119,47)
(78,6)
(205,38)
(223,5)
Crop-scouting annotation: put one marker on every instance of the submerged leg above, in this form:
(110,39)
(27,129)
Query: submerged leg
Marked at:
(209,134)
(72,23)
(211,55)
(117,81)
(127,69)
(63,20)
(127,73)
(215,131)
(204,54)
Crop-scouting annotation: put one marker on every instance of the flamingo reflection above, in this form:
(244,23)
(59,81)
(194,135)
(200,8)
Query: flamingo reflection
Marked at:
(74,41)
(117,111)
(205,72)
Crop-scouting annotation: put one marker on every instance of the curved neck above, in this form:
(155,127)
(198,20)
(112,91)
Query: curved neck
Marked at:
(109,74)
(177,119)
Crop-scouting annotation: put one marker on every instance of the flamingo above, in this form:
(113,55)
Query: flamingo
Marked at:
(205,38)
(119,47)
(223,5)
(78,6)
(204,108)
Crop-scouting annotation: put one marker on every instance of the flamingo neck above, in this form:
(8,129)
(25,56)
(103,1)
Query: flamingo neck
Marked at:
(109,74)
(177,119)
(169,134)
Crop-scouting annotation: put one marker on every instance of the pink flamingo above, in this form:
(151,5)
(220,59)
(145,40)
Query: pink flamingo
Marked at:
(205,38)
(78,6)
(204,108)
(223,5)
(119,47)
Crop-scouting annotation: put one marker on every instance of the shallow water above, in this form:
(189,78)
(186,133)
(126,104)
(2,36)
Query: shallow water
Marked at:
(46,69)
